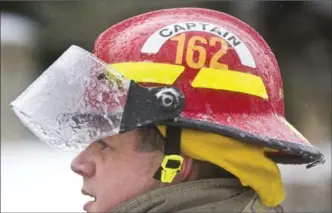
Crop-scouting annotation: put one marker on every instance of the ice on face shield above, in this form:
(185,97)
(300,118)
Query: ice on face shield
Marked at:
(79,99)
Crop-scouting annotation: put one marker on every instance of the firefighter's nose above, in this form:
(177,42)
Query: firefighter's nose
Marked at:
(83,166)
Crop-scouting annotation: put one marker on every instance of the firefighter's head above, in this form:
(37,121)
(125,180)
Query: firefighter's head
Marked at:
(203,82)
(117,168)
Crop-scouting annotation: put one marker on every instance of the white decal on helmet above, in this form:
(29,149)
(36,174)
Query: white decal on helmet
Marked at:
(158,38)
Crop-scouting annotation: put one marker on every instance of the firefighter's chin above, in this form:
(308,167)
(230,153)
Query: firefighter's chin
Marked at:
(88,206)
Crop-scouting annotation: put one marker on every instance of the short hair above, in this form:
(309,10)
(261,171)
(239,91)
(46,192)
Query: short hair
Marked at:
(150,139)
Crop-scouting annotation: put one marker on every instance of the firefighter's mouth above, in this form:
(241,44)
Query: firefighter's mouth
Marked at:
(88,203)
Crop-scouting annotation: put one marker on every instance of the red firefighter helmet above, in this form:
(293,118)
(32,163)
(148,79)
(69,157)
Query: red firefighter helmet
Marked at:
(228,74)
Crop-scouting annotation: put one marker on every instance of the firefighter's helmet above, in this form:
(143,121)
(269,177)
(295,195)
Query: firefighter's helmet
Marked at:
(228,74)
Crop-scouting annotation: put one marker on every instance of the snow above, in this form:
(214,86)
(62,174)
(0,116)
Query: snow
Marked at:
(37,178)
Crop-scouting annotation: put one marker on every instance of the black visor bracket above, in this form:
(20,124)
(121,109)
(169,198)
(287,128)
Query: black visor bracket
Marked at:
(145,106)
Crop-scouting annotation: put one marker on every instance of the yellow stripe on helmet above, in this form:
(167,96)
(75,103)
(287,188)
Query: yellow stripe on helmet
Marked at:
(230,80)
(149,72)
(209,78)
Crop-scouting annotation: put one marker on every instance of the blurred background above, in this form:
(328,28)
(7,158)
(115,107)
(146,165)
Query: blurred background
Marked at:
(37,178)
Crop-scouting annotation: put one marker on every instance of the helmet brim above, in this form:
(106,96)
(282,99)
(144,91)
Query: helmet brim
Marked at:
(268,130)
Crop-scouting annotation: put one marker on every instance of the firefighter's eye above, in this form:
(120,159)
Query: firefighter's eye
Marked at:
(102,144)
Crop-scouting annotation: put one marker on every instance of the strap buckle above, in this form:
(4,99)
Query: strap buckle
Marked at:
(171,165)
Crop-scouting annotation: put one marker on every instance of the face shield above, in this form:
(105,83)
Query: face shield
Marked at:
(79,99)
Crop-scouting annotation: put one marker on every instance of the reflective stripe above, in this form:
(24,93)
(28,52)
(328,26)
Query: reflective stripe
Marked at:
(230,80)
(209,78)
(149,72)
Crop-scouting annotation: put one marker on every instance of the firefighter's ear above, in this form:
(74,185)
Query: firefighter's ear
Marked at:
(186,169)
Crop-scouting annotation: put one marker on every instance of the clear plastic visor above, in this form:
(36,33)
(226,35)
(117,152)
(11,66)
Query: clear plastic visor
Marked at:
(76,101)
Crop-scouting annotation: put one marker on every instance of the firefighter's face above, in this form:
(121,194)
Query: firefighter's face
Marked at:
(114,171)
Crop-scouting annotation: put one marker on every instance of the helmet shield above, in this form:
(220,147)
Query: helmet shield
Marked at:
(78,100)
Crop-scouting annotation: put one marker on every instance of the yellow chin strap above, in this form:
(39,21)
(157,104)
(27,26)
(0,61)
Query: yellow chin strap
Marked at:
(246,161)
